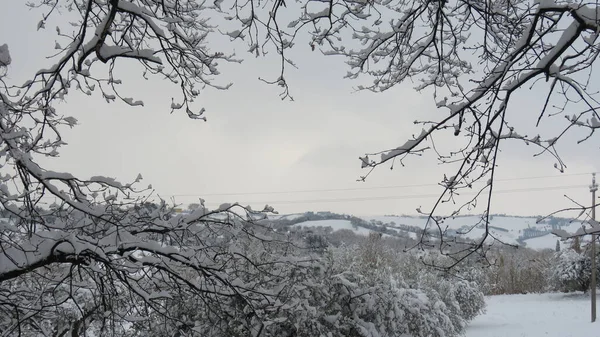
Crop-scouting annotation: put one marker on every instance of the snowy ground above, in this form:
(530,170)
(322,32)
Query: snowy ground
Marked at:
(535,315)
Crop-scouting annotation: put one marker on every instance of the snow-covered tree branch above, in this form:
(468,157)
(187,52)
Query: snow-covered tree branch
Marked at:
(475,56)
(103,257)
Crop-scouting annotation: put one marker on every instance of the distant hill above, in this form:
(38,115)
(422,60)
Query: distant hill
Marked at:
(516,230)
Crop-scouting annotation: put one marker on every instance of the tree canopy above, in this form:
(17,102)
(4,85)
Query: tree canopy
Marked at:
(98,246)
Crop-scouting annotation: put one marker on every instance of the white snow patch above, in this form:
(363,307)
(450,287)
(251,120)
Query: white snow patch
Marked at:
(535,315)
(547,241)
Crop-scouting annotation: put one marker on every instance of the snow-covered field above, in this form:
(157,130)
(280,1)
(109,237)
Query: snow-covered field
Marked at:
(547,241)
(535,315)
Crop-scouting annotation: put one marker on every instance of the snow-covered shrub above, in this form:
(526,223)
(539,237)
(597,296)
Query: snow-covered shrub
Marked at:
(350,291)
(571,271)
(461,289)
(446,291)
(470,298)
(463,299)
(431,303)
(349,303)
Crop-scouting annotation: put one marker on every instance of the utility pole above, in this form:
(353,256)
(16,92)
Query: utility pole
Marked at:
(593,189)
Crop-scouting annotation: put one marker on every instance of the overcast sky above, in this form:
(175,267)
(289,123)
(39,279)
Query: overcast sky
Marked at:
(296,156)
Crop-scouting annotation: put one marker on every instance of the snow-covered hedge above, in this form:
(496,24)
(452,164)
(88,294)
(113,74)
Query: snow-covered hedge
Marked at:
(351,303)
(461,289)
(357,291)
(367,290)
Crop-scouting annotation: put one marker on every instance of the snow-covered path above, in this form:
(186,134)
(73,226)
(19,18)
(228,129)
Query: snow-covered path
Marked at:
(536,315)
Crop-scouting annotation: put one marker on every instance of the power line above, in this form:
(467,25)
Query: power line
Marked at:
(357,188)
(400,197)
(397,197)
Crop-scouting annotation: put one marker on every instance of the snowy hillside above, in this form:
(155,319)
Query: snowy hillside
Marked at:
(464,226)
(506,222)
(508,229)
(522,231)
(286,216)
(335,225)
(547,241)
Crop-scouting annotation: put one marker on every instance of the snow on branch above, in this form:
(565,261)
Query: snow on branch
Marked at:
(516,46)
(83,255)
(582,231)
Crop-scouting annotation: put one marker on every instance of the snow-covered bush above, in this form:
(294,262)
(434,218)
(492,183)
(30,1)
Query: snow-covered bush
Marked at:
(354,291)
(430,302)
(321,299)
(470,298)
(345,302)
(572,271)
(461,289)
